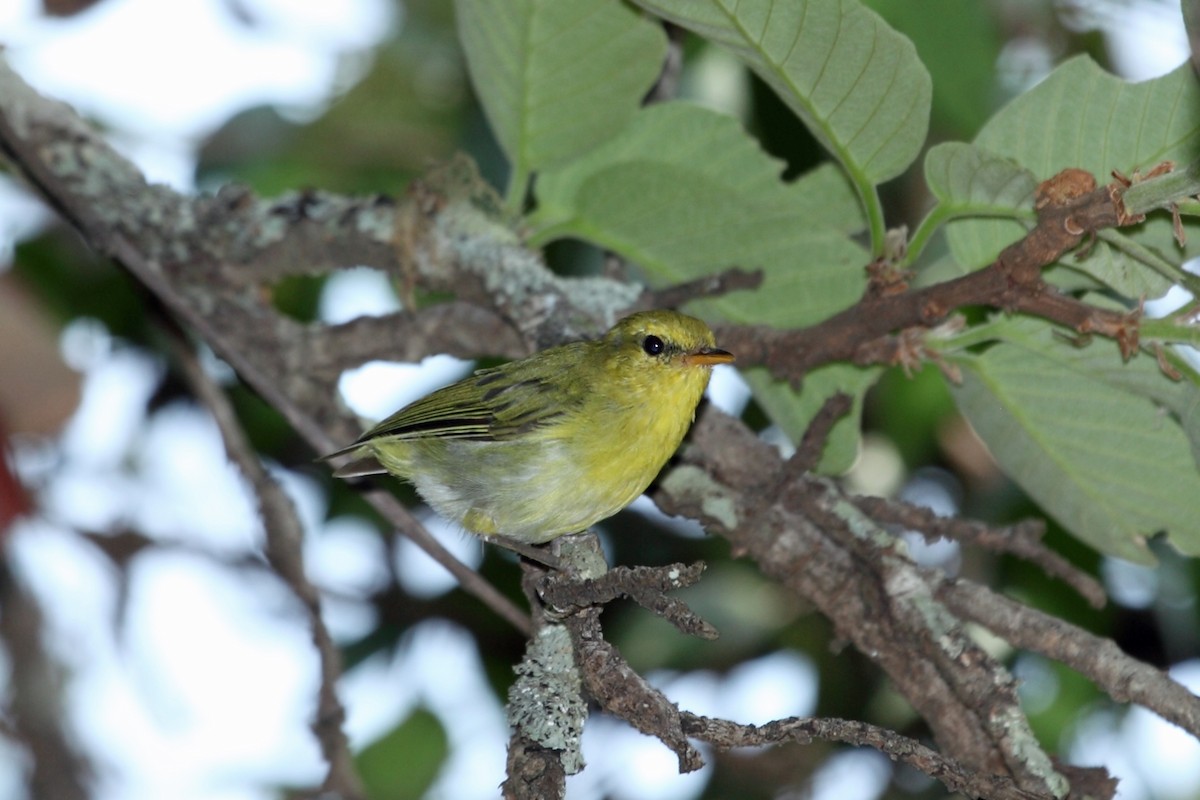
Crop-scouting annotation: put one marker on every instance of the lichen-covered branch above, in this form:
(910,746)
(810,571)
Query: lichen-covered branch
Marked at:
(802,730)
(1123,678)
(1023,540)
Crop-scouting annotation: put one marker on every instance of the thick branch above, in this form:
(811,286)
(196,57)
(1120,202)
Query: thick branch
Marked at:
(1123,678)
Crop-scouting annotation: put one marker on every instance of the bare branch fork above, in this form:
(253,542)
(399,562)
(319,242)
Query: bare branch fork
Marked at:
(208,259)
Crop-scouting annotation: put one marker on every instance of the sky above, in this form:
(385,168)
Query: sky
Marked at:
(199,684)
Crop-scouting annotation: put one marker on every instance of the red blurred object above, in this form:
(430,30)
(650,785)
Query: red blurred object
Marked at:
(14,500)
(38,391)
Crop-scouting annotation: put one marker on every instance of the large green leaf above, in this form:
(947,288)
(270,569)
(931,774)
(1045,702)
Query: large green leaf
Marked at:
(856,83)
(684,192)
(959,43)
(1107,463)
(1101,359)
(712,146)
(556,77)
(1081,116)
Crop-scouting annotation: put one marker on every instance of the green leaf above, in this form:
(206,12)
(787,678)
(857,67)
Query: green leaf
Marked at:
(1101,359)
(855,83)
(959,44)
(1105,462)
(716,148)
(684,192)
(829,200)
(1081,116)
(404,763)
(557,77)
(970,180)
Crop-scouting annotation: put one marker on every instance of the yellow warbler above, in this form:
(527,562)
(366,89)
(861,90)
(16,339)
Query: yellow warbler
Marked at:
(553,443)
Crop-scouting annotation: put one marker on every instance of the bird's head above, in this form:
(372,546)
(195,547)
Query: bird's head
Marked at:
(647,347)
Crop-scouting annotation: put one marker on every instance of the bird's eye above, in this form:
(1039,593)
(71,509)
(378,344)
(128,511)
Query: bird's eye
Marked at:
(653,345)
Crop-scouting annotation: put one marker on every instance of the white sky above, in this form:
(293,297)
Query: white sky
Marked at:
(202,687)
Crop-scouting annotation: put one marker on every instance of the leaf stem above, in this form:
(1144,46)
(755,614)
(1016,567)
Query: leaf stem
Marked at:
(1160,192)
(1168,330)
(874,209)
(938,215)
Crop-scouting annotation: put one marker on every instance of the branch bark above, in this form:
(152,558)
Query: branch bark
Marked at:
(1070,208)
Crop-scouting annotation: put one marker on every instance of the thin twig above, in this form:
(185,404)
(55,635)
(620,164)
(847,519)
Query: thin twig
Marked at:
(646,586)
(284,535)
(734,279)
(808,452)
(471,581)
(1023,540)
(1013,282)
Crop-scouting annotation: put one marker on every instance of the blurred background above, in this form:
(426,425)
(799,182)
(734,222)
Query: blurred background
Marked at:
(184,669)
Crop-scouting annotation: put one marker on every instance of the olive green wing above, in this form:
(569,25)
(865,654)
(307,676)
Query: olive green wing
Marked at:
(493,404)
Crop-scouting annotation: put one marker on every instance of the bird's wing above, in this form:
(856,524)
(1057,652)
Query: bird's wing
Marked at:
(492,405)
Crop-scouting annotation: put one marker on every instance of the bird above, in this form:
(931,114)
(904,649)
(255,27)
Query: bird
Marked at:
(553,443)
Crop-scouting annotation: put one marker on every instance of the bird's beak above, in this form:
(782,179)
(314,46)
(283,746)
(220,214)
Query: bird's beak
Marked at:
(706,357)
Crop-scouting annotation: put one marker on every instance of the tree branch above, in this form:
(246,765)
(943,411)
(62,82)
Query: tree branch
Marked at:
(646,586)
(802,730)
(1123,678)
(1023,540)
(1070,208)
